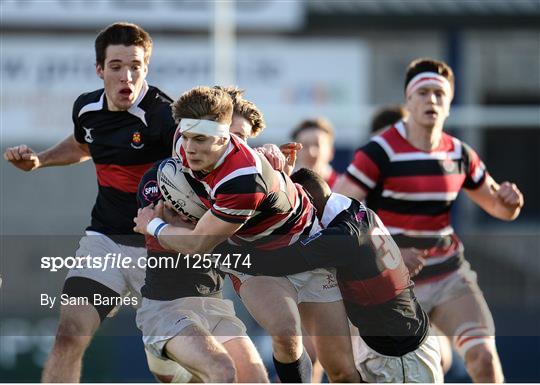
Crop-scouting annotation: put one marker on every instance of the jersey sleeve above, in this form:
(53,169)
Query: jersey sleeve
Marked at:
(78,131)
(367,165)
(475,170)
(238,199)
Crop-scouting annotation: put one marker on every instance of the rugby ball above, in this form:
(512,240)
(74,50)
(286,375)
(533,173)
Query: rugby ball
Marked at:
(176,189)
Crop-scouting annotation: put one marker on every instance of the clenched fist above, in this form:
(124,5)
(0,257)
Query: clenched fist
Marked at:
(22,157)
(509,195)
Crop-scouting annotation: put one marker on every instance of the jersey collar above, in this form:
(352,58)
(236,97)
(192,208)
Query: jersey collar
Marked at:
(400,128)
(229,149)
(336,204)
(135,109)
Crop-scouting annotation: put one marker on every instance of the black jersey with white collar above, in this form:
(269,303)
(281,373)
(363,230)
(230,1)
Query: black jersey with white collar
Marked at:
(374,281)
(123,145)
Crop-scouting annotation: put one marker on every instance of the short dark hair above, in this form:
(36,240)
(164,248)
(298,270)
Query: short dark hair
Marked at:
(429,65)
(122,34)
(386,116)
(312,182)
(317,123)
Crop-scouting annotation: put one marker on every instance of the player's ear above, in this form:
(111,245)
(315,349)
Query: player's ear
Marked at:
(99,71)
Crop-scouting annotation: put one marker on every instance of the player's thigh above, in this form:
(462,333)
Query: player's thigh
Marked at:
(196,350)
(272,303)
(468,308)
(326,319)
(246,358)
(327,324)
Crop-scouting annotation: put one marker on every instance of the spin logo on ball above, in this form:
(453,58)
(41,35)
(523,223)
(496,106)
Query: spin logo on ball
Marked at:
(151,191)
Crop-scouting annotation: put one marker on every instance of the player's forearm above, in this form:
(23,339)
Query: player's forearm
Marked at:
(186,241)
(502,201)
(66,152)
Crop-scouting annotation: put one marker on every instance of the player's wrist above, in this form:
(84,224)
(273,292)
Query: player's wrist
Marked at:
(43,159)
(155,227)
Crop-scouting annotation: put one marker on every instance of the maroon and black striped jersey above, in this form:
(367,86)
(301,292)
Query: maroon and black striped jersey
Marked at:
(244,188)
(373,279)
(123,145)
(412,191)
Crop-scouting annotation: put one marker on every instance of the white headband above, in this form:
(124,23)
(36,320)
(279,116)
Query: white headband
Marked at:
(204,127)
(428,78)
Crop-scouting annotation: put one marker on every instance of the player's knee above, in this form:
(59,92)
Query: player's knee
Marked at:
(287,344)
(344,373)
(482,364)
(287,331)
(223,370)
(287,327)
(72,334)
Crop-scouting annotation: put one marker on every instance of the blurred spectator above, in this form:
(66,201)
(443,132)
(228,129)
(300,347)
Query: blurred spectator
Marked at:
(317,139)
(386,116)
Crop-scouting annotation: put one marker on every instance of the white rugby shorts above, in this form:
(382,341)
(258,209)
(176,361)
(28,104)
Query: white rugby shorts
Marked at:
(422,365)
(458,283)
(123,281)
(318,285)
(160,321)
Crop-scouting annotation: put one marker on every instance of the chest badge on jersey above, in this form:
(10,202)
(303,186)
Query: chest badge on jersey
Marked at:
(136,140)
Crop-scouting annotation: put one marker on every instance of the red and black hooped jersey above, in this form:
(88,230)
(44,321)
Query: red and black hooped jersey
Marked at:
(123,145)
(412,191)
(373,279)
(244,188)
